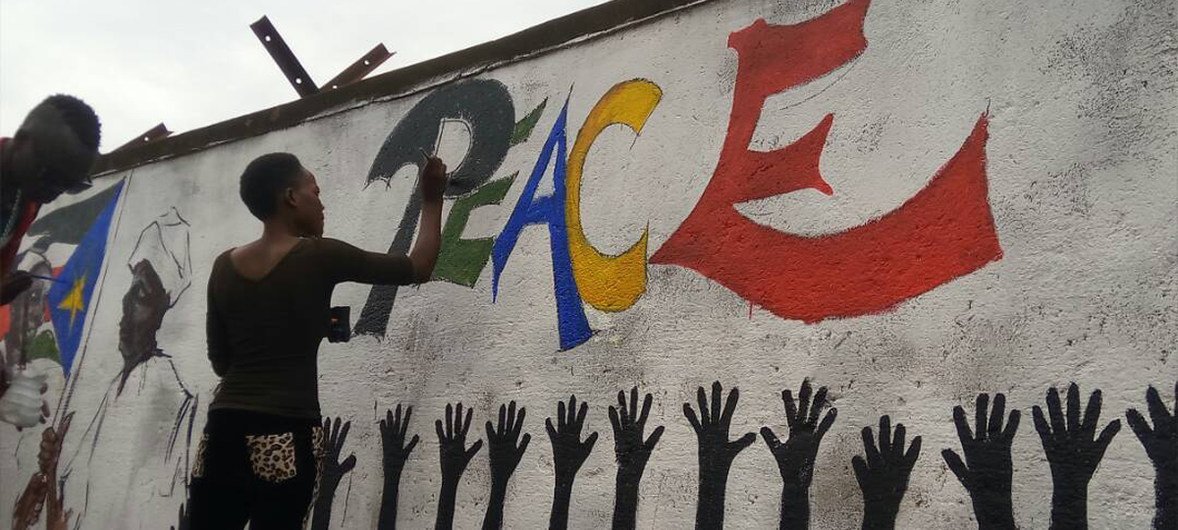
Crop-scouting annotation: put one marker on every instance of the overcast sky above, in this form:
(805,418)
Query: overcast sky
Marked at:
(190,64)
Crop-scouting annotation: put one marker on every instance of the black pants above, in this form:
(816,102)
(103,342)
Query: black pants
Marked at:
(254,467)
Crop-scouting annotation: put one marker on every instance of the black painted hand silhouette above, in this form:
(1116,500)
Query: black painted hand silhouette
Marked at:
(1161,445)
(883,475)
(628,424)
(568,453)
(711,428)
(452,443)
(396,452)
(632,453)
(795,457)
(987,472)
(1074,451)
(392,440)
(715,452)
(454,456)
(185,520)
(333,471)
(502,442)
(505,448)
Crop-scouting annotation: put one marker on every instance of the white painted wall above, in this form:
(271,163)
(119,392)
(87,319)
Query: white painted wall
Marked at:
(1082,166)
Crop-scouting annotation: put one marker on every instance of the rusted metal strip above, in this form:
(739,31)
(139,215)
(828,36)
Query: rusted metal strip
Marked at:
(362,67)
(286,60)
(153,134)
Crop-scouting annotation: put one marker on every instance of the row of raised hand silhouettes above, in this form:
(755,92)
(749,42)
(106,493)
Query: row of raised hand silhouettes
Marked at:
(1070,440)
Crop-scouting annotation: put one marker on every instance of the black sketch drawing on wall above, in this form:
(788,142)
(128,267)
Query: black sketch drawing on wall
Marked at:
(393,429)
(1161,445)
(987,472)
(883,474)
(716,452)
(331,470)
(505,447)
(632,453)
(161,270)
(568,454)
(454,457)
(795,457)
(1074,451)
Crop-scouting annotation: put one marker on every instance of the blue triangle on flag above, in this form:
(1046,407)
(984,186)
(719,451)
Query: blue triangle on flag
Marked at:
(70,298)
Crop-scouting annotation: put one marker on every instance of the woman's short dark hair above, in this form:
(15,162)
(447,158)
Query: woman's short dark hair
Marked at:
(265,179)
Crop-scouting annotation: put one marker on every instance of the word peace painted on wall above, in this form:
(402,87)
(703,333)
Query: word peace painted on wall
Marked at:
(580,272)
(943,232)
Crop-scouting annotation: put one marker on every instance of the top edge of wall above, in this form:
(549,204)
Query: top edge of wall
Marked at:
(596,20)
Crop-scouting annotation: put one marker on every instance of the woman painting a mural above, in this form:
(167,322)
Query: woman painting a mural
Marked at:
(268,310)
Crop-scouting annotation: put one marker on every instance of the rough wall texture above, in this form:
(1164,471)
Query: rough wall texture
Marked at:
(906,203)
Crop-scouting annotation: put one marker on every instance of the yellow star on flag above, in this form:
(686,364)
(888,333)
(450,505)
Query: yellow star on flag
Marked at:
(73,302)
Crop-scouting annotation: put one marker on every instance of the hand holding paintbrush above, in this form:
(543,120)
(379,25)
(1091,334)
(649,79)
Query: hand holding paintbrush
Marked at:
(433,178)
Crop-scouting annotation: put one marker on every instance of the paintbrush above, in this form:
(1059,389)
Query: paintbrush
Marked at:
(47,278)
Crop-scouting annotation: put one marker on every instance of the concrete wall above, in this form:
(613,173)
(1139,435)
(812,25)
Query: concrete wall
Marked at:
(907,203)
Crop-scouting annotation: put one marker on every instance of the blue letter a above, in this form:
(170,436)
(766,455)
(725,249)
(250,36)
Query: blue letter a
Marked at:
(529,210)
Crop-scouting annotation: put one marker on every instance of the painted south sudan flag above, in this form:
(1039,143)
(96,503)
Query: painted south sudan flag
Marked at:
(70,297)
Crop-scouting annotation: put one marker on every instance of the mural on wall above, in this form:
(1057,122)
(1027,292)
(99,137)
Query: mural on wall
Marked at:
(161,269)
(29,324)
(38,328)
(814,286)
(945,231)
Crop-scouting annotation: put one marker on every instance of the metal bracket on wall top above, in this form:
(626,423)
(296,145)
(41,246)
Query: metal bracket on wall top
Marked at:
(287,62)
(155,133)
(362,67)
(298,76)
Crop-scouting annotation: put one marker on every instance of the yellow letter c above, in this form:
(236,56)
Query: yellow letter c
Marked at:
(608,283)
